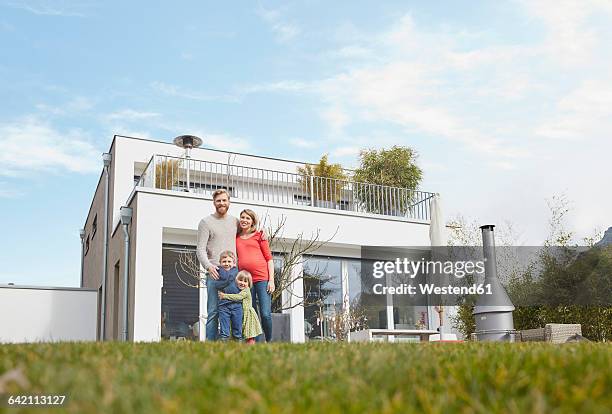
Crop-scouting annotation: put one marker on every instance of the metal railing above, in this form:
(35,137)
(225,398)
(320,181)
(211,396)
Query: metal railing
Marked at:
(283,188)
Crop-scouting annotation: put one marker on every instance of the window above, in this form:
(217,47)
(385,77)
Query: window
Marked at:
(304,200)
(322,296)
(87,244)
(301,200)
(94,226)
(117,307)
(277,303)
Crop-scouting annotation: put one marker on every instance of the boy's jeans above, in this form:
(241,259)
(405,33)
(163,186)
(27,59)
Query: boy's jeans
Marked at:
(212,307)
(230,313)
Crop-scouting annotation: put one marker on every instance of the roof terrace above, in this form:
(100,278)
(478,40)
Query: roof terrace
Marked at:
(182,174)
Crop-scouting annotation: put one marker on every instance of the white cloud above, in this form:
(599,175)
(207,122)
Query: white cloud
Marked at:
(585,113)
(130,115)
(280,86)
(433,166)
(285,31)
(74,106)
(49,8)
(173,90)
(302,143)
(404,94)
(226,142)
(345,151)
(30,145)
(353,52)
(570,39)
(429,83)
(210,139)
(337,118)
(130,132)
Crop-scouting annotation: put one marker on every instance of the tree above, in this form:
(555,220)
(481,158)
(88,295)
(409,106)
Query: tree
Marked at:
(323,181)
(396,168)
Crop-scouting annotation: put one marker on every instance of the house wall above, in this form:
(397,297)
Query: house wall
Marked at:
(53,314)
(116,253)
(161,209)
(92,260)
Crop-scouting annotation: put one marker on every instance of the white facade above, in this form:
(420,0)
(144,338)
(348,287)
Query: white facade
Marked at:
(44,314)
(172,217)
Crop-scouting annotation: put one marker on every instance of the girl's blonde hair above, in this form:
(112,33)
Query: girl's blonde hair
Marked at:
(253,216)
(245,275)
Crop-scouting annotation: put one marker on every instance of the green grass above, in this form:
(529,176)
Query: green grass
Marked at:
(189,377)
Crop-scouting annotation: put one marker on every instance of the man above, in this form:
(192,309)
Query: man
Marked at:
(216,234)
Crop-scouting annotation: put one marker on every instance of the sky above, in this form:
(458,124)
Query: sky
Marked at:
(507,103)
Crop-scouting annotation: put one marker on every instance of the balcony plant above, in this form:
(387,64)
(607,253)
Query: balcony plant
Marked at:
(167,173)
(323,182)
(395,167)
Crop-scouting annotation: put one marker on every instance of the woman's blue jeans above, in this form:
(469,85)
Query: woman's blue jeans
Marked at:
(262,302)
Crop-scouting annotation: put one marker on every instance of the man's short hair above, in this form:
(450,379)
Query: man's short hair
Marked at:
(220,191)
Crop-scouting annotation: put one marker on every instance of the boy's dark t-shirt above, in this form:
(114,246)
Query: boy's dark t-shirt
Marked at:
(227,284)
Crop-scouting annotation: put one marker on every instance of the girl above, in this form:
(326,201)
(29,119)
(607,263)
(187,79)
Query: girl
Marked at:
(250,323)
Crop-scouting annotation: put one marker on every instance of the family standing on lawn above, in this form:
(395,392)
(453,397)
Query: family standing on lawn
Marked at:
(240,271)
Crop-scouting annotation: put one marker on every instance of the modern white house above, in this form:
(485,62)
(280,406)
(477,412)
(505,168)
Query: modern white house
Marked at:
(145,212)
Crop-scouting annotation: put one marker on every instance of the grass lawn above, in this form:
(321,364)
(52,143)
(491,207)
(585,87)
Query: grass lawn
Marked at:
(189,377)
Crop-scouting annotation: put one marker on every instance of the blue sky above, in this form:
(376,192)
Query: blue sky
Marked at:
(508,103)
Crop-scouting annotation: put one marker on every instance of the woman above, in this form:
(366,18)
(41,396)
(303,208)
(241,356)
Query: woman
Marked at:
(254,256)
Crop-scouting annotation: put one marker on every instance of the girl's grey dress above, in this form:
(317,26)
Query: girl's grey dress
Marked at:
(251,327)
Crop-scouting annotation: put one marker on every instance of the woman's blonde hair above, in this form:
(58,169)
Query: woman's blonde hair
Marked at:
(245,275)
(253,216)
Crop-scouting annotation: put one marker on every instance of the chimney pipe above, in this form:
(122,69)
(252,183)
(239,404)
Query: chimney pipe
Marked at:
(493,313)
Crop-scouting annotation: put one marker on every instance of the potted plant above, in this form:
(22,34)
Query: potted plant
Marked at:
(167,173)
(395,168)
(323,182)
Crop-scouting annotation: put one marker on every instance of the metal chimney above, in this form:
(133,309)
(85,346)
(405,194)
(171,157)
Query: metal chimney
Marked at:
(493,313)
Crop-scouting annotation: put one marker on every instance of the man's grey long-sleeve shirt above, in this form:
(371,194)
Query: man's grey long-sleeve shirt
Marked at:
(216,235)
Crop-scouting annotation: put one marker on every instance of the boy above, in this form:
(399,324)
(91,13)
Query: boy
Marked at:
(230,313)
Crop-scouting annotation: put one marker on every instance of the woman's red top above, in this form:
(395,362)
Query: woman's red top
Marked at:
(253,255)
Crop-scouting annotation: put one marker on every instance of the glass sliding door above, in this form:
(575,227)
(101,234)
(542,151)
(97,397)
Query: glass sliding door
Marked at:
(363,303)
(180,303)
(322,297)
